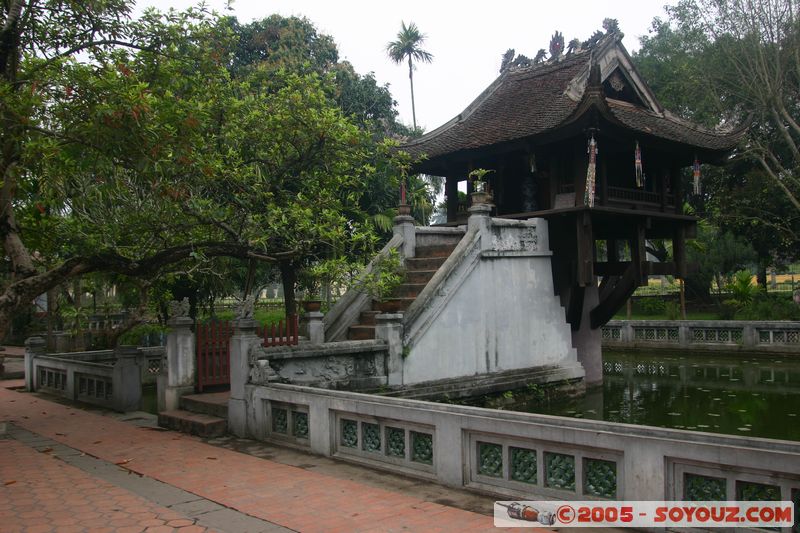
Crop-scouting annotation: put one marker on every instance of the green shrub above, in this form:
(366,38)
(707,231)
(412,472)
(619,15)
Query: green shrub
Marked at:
(650,306)
(765,306)
(143,335)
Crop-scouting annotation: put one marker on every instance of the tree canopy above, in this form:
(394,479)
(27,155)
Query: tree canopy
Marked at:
(727,64)
(142,146)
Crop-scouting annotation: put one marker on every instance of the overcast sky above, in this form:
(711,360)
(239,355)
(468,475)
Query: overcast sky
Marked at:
(466,38)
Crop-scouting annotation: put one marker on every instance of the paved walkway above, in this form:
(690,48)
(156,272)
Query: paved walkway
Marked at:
(66,469)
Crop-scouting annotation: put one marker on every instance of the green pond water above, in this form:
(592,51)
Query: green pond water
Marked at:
(739,395)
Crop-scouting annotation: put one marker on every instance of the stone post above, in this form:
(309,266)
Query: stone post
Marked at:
(181,363)
(316,328)
(244,336)
(479,219)
(127,380)
(34,346)
(404,227)
(389,328)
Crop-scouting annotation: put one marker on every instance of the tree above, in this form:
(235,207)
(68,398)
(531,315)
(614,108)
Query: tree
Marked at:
(152,154)
(408,46)
(727,63)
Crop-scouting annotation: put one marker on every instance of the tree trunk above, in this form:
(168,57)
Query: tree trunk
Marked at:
(289,280)
(411,79)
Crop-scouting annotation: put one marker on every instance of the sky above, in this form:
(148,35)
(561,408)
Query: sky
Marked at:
(466,38)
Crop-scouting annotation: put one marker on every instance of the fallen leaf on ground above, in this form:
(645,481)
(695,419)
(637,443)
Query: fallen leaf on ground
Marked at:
(10,482)
(124,461)
(61,434)
(214,458)
(46,450)
(97,442)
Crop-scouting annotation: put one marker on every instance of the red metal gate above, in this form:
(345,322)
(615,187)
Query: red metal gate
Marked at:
(213,342)
(213,354)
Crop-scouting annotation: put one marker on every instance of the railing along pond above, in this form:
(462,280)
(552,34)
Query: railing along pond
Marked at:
(525,454)
(722,335)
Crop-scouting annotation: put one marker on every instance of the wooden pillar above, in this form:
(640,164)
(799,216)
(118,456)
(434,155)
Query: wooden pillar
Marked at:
(663,192)
(677,189)
(451,192)
(581,162)
(611,251)
(602,178)
(585,249)
(639,253)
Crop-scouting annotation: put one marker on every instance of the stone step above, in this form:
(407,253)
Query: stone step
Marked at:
(392,305)
(434,250)
(419,276)
(424,263)
(213,404)
(193,423)
(361,332)
(408,290)
(367,318)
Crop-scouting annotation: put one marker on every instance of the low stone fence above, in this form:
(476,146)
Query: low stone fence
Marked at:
(712,335)
(347,364)
(107,378)
(524,455)
(149,359)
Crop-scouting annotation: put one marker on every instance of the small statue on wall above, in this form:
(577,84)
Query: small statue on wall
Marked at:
(246,308)
(179,309)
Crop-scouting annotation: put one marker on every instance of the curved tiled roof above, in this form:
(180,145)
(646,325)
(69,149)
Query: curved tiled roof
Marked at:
(526,102)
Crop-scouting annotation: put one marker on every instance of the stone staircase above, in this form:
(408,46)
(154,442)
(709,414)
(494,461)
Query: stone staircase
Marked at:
(204,415)
(418,272)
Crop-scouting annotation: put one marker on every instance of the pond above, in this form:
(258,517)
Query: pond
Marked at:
(739,395)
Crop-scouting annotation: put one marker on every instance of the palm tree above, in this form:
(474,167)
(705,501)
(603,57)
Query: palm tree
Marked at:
(408,45)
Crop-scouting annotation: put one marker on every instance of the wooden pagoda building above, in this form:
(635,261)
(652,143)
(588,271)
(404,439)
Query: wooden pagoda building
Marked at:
(534,128)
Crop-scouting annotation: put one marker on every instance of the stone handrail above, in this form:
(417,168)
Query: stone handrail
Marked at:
(493,450)
(451,264)
(715,335)
(116,385)
(346,310)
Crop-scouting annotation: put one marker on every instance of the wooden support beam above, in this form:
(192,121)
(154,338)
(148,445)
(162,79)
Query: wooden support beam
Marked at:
(451,191)
(585,249)
(614,299)
(638,253)
(612,251)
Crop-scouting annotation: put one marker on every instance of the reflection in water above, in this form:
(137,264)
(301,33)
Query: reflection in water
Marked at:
(749,396)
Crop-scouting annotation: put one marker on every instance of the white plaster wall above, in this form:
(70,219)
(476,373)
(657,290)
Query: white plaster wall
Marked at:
(491,314)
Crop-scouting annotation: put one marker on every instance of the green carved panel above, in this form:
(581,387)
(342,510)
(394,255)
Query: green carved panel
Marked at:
(395,442)
(523,465)
(490,459)
(559,471)
(300,424)
(280,422)
(422,447)
(370,437)
(756,492)
(600,478)
(704,488)
(349,433)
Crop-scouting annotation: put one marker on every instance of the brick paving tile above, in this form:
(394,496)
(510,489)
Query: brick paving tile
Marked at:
(264,489)
(37,474)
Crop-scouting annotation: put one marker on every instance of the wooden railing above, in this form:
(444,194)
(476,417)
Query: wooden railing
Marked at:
(282,333)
